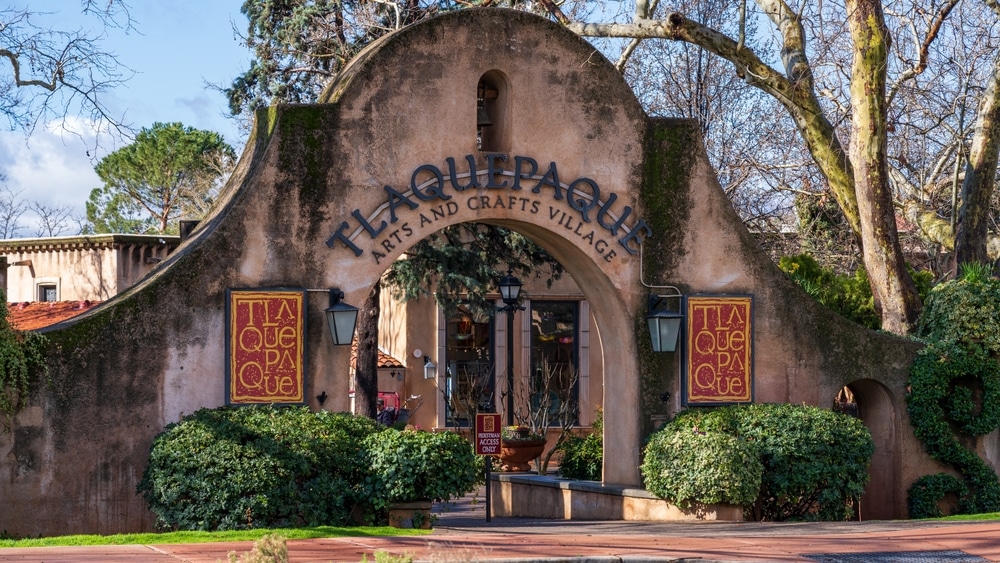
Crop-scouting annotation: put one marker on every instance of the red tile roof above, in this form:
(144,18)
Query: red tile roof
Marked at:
(39,314)
(34,315)
(384,360)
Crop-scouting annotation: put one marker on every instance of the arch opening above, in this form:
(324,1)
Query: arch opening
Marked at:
(492,112)
(871,402)
(587,305)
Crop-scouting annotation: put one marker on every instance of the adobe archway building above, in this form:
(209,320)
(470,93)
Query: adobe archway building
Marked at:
(327,195)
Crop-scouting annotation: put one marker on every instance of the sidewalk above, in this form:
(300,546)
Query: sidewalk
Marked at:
(462,534)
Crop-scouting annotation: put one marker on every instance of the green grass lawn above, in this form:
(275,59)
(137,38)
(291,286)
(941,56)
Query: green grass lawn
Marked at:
(205,537)
(966,517)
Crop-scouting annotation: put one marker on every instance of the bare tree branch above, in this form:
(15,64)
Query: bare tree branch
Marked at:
(54,74)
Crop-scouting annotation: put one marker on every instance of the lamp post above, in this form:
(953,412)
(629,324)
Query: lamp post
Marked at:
(510,291)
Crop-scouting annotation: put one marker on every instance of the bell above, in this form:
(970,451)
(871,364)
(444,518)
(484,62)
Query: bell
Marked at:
(482,117)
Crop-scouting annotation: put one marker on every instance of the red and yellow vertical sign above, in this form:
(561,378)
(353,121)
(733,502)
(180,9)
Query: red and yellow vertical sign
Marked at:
(719,350)
(265,346)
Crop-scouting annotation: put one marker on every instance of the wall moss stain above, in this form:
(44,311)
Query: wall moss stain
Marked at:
(308,150)
(669,157)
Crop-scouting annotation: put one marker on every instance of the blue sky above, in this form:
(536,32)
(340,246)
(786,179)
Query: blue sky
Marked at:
(177,47)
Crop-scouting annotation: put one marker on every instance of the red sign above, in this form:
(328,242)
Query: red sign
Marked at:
(487,434)
(719,360)
(266,340)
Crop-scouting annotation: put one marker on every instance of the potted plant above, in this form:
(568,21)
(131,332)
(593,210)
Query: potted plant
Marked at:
(546,402)
(518,446)
(411,469)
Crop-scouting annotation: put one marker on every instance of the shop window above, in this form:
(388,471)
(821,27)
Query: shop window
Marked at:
(555,375)
(469,381)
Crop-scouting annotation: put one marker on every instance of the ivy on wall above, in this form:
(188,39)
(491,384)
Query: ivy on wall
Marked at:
(22,363)
(954,393)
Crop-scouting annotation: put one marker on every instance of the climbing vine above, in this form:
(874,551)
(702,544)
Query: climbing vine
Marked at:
(22,363)
(954,394)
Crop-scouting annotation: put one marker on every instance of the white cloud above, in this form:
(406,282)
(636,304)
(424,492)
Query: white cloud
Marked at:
(55,166)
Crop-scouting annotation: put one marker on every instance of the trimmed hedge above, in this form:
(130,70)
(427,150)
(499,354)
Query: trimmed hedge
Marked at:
(252,467)
(410,466)
(268,467)
(815,461)
(686,466)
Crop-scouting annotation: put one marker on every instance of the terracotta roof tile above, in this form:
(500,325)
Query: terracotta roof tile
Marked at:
(384,359)
(39,314)
(33,315)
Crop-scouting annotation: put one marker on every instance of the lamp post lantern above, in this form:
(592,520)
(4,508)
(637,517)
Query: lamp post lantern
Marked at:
(510,292)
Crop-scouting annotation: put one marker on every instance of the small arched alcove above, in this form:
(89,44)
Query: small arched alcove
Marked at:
(492,112)
(871,402)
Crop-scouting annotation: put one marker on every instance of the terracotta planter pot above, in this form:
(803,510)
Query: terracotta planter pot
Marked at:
(515,455)
(415,514)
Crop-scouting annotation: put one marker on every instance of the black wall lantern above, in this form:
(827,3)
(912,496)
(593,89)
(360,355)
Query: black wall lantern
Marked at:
(342,318)
(664,324)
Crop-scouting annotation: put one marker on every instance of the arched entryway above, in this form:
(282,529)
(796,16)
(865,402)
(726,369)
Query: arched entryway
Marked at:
(871,402)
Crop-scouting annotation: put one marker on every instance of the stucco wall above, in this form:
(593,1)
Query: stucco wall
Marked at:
(125,370)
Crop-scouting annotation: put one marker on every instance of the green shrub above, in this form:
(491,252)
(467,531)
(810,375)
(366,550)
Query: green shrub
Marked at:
(924,494)
(850,296)
(815,461)
(583,456)
(408,466)
(954,390)
(964,312)
(686,465)
(253,467)
(954,396)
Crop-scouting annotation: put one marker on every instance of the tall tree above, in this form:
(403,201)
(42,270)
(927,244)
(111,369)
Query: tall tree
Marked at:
(169,169)
(880,241)
(980,171)
(815,110)
(299,45)
(51,220)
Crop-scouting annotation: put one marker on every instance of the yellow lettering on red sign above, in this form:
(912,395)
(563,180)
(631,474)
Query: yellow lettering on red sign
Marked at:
(266,346)
(719,367)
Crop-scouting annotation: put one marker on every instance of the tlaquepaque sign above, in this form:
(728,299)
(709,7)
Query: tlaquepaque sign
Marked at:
(719,351)
(265,346)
